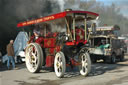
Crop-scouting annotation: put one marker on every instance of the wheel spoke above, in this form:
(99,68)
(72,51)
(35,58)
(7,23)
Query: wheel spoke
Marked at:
(57,64)
(61,64)
(32,56)
(60,69)
(84,64)
(83,58)
(34,61)
(83,69)
(57,58)
(30,49)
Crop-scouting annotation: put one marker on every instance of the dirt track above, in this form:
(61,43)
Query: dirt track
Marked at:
(102,74)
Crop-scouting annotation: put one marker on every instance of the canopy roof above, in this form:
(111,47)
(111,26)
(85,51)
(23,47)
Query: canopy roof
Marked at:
(105,28)
(89,16)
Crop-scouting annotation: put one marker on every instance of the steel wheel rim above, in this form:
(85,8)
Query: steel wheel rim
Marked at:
(31,58)
(59,64)
(84,64)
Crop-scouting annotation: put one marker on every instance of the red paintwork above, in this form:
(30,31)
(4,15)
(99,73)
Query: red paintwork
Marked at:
(50,58)
(76,42)
(53,35)
(58,48)
(39,40)
(32,39)
(52,51)
(49,61)
(70,43)
(73,63)
(53,17)
(49,42)
(79,32)
(43,19)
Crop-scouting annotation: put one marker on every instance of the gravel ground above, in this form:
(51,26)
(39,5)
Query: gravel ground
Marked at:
(101,74)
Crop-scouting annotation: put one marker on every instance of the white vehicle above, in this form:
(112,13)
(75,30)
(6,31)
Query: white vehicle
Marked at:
(21,55)
(106,45)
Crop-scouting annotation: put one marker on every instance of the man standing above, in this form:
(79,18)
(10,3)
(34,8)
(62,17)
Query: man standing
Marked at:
(10,53)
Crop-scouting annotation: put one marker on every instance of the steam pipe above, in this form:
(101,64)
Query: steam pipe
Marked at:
(85,27)
(74,28)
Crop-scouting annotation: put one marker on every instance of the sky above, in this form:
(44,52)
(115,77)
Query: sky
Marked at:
(122,4)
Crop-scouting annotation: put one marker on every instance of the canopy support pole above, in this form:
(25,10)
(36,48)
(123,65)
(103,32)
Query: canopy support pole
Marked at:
(74,34)
(85,28)
(68,29)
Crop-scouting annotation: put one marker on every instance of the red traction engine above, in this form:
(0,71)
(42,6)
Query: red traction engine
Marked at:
(59,41)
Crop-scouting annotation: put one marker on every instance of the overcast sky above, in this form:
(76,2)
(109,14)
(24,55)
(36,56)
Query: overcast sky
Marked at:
(122,4)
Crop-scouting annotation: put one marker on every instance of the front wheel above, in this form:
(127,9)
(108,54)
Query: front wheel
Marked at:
(34,57)
(113,59)
(59,64)
(85,66)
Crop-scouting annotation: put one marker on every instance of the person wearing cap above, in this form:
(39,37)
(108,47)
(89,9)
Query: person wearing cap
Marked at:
(10,53)
(35,36)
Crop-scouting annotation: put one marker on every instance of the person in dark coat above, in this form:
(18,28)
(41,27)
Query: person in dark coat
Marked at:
(10,53)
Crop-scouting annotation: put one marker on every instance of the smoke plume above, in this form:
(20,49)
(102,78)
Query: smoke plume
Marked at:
(61,4)
(24,9)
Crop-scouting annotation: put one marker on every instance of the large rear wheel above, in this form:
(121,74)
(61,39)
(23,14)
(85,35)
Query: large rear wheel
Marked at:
(59,64)
(85,66)
(34,57)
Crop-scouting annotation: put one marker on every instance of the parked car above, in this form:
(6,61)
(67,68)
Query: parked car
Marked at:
(106,46)
(20,58)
